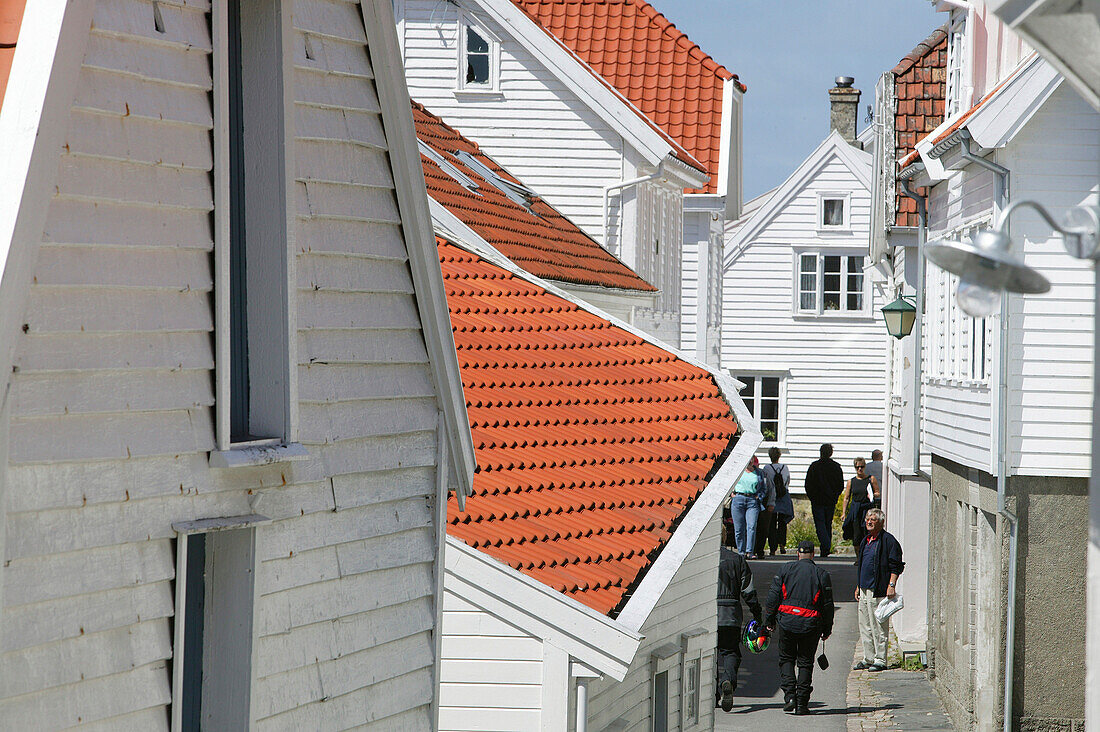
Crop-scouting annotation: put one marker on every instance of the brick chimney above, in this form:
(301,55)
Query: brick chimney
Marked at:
(844,108)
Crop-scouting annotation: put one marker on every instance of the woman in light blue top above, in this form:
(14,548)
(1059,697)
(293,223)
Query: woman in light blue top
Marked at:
(745,508)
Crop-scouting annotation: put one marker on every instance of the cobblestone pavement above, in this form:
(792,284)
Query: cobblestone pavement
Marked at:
(892,700)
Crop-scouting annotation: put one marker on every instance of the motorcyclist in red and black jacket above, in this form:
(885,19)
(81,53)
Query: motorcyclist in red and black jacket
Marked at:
(801,603)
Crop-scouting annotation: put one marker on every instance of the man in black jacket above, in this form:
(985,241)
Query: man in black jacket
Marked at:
(824,484)
(734,584)
(801,604)
(878,566)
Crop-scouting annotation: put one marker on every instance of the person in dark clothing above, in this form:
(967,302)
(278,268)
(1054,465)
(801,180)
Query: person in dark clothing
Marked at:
(857,500)
(878,566)
(734,584)
(800,603)
(824,484)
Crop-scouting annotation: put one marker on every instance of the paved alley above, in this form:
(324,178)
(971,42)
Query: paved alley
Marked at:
(894,700)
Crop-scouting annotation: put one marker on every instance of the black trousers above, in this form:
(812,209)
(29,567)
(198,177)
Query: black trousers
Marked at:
(777,532)
(729,656)
(764,524)
(797,650)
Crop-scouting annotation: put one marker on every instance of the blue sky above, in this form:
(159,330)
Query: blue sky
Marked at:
(788,52)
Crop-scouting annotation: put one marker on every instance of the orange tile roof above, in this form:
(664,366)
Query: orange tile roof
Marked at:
(11,17)
(541,240)
(650,62)
(920,86)
(591,442)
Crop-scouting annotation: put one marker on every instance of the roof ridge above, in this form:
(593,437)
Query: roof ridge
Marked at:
(921,50)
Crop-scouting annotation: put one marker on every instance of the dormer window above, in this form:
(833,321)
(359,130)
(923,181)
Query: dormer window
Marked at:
(478,57)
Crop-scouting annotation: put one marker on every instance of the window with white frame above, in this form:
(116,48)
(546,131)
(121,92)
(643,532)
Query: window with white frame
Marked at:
(831,284)
(958,347)
(832,211)
(763,395)
(956,63)
(478,57)
(691,692)
(693,642)
(663,661)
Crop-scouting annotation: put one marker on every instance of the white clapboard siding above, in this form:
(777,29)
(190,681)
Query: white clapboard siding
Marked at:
(833,369)
(112,402)
(687,604)
(491,675)
(1053,160)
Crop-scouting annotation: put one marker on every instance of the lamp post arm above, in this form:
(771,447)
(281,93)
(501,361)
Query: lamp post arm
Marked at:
(1081,241)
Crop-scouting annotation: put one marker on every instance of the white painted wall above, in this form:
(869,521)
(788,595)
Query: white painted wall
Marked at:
(1054,160)
(701,286)
(112,404)
(834,367)
(689,603)
(492,672)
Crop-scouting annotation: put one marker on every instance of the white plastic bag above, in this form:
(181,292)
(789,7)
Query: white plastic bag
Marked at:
(888,607)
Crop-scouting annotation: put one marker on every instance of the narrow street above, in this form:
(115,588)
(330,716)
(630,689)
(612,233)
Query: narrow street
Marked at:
(758,702)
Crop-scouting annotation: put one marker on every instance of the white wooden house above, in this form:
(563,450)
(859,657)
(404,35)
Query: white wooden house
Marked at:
(533,98)
(1012,130)
(221,505)
(579,590)
(801,323)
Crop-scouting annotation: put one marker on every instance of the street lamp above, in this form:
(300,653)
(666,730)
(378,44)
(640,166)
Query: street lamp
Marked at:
(899,316)
(986,265)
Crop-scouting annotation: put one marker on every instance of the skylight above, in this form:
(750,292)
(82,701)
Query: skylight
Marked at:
(520,194)
(466,181)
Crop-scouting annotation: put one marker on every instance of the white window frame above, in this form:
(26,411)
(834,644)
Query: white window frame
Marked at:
(757,377)
(959,348)
(466,22)
(818,310)
(245,643)
(693,643)
(662,661)
(845,197)
(277,355)
(957,82)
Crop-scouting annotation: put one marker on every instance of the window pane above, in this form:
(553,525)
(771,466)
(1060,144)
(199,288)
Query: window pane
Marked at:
(477,69)
(855,264)
(855,301)
(808,263)
(748,391)
(769,387)
(832,212)
(807,301)
(475,43)
(832,264)
(660,702)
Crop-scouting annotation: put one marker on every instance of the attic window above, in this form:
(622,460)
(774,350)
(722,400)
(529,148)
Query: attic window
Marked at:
(444,165)
(832,212)
(516,192)
(478,57)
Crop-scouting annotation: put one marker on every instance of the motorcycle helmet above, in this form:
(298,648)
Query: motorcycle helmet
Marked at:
(756,637)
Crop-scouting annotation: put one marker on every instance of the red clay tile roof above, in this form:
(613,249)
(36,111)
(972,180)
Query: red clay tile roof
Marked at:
(547,245)
(11,17)
(920,86)
(591,442)
(650,62)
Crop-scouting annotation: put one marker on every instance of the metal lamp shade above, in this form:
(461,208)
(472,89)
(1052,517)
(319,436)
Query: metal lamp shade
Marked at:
(987,261)
(899,316)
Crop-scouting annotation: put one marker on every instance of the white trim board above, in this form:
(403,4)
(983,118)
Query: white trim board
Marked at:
(857,161)
(416,221)
(594,639)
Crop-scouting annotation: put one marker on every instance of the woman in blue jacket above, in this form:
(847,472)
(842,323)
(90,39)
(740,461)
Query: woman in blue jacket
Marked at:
(745,507)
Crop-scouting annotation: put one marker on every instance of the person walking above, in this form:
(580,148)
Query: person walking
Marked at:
(878,566)
(783,512)
(874,468)
(800,603)
(824,484)
(734,585)
(856,501)
(745,507)
(764,520)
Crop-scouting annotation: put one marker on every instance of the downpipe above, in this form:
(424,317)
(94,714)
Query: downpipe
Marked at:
(582,705)
(918,323)
(619,188)
(1002,177)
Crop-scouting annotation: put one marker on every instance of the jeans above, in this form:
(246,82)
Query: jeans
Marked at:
(744,510)
(871,631)
(823,522)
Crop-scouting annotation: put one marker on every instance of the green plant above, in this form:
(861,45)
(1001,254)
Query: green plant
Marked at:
(800,528)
